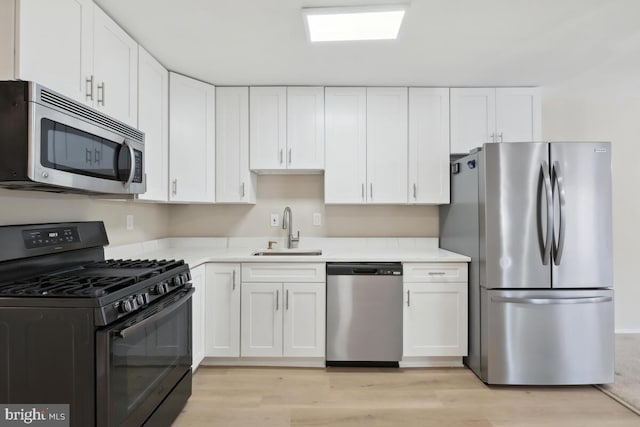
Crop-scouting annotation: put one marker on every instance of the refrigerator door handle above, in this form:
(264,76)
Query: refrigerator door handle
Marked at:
(546,253)
(559,182)
(547,301)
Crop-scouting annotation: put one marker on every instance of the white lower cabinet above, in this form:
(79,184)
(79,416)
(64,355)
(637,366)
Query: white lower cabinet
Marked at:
(222,314)
(198,279)
(283,319)
(435,312)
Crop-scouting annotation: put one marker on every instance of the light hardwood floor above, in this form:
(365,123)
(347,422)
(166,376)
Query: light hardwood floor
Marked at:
(274,397)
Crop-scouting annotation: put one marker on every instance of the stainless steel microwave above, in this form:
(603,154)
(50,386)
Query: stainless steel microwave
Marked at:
(49,142)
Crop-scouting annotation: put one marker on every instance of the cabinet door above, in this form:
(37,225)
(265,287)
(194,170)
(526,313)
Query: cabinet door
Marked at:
(55,42)
(304,320)
(305,128)
(518,113)
(198,310)
(234,182)
(191,140)
(268,127)
(387,145)
(115,66)
(428,145)
(345,173)
(153,120)
(435,319)
(473,118)
(222,314)
(261,320)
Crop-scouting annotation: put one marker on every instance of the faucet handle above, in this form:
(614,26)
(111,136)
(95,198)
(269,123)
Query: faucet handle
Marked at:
(271,243)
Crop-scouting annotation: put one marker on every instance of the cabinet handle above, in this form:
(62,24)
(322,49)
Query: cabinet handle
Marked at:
(175,186)
(89,88)
(437,273)
(243,189)
(408,298)
(371,190)
(289,155)
(493,137)
(101,91)
(234,281)
(500,136)
(286,300)
(363,191)
(415,191)
(281,156)
(277,299)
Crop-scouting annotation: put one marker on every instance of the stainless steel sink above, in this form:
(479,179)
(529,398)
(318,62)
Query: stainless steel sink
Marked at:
(289,252)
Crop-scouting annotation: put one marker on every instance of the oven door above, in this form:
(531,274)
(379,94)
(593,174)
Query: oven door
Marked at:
(68,152)
(140,360)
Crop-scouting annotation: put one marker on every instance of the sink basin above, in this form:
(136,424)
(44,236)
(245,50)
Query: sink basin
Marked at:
(289,252)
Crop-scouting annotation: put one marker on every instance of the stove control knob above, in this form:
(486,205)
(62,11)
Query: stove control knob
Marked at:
(161,288)
(177,281)
(126,306)
(143,298)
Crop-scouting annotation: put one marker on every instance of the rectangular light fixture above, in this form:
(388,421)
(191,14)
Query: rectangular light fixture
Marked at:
(325,24)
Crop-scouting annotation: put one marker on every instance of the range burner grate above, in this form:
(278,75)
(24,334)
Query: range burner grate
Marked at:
(92,280)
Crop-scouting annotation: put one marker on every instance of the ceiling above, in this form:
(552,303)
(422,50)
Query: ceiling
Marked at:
(441,42)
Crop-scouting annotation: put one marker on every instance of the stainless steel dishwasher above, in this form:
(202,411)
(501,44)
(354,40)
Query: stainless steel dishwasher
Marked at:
(364,314)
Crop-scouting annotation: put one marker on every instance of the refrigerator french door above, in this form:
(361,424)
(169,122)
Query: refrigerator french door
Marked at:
(541,303)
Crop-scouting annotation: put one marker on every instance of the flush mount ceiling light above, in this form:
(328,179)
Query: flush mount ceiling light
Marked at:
(326,24)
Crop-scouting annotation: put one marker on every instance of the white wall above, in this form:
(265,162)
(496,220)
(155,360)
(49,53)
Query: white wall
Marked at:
(305,195)
(26,207)
(603,104)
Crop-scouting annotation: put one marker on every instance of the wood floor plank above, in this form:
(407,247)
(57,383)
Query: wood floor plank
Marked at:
(285,397)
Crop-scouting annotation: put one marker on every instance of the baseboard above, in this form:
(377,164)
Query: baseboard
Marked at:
(292,362)
(627,331)
(431,362)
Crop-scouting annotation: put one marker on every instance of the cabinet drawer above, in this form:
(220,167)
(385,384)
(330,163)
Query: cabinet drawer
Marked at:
(435,272)
(283,272)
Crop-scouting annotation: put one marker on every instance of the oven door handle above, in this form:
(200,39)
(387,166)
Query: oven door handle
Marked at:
(133,329)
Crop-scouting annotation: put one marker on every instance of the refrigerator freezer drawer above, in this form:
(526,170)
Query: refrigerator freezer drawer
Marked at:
(548,337)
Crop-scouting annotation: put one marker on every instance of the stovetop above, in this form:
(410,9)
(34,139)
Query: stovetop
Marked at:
(94,280)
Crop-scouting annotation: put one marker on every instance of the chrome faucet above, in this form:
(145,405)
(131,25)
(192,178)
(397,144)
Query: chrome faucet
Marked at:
(287,221)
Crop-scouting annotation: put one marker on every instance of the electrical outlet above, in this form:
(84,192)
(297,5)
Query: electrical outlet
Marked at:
(275,220)
(129,222)
(317,219)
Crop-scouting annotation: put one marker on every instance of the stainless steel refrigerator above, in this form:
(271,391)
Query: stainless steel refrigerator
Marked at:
(535,218)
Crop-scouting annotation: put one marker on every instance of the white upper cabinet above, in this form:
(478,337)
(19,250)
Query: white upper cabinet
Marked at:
(305,128)
(153,120)
(115,69)
(387,145)
(428,145)
(366,145)
(518,112)
(346,145)
(54,45)
(480,115)
(286,128)
(191,140)
(473,118)
(268,127)
(234,182)
(74,48)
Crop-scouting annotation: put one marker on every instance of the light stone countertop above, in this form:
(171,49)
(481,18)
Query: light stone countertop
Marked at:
(197,251)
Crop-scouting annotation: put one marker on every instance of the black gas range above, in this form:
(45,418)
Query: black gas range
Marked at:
(109,338)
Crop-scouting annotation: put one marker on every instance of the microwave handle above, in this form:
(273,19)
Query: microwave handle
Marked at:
(132,172)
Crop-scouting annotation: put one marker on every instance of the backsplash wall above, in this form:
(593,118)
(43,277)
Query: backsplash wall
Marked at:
(28,207)
(305,195)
